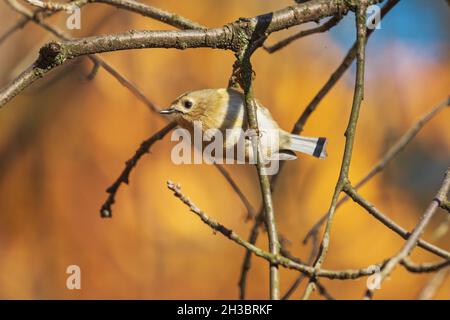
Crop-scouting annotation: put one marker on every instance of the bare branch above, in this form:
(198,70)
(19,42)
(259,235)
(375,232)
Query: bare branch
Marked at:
(445,204)
(304,33)
(442,229)
(52,6)
(129,5)
(146,10)
(413,238)
(396,148)
(321,288)
(424,267)
(31,16)
(243,37)
(17,26)
(228,37)
(246,74)
(124,178)
(99,62)
(246,264)
(297,129)
(237,190)
(429,291)
(336,75)
(349,138)
(370,208)
(133,88)
(278,260)
(298,281)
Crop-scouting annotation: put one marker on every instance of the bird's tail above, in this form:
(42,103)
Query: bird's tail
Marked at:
(312,146)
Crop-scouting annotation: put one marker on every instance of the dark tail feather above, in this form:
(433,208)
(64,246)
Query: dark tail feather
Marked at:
(313,146)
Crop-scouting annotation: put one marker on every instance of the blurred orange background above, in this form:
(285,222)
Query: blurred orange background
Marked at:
(65,139)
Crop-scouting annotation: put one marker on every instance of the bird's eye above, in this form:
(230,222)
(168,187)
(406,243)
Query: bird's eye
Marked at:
(187,104)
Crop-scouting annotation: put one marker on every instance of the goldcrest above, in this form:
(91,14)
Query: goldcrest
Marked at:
(223,111)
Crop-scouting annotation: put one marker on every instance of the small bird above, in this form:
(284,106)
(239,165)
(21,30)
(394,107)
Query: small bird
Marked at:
(223,110)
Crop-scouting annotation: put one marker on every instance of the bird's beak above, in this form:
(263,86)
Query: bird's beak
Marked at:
(167,111)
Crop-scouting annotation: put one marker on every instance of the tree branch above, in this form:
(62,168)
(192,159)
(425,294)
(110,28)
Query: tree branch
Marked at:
(300,278)
(424,267)
(32,16)
(337,74)
(246,72)
(436,281)
(273,259)
(17,26)
(297,129)
(246,263)
(129,5)
(228,37)
(243,37)
(445,204)
(99,62)
(237,190)
(146,10)
(304,33)
(124,178)
(413,238)
(396,148)
(370,208)
(349,138)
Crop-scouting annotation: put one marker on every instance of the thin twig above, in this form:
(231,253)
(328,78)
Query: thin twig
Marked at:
(300,278)
(124,178)
(297,129)
(396,148)
(321,288)
(246,264)
(336,75)
(245,67)
(94,71)
(129,5)
(229,37)
(17,26)
(445,204)
(134,89)
(413,239)
(243,38)
(273,259)
(54,6)
(146,10)
(424,267)
(31,16)
(429,290)
(370,208)
(304,33)
(349,138)
(237,190)
(441,229)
